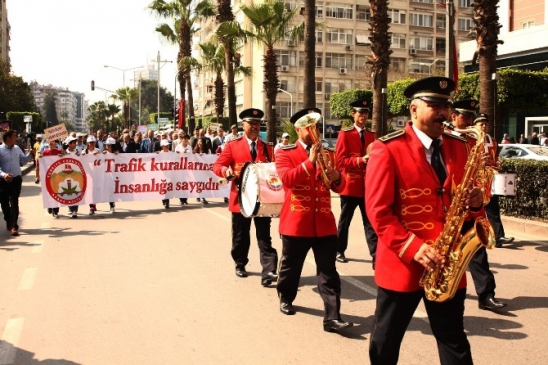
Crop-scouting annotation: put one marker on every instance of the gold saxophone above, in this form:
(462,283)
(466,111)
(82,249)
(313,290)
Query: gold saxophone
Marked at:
(326,157)
(441,284)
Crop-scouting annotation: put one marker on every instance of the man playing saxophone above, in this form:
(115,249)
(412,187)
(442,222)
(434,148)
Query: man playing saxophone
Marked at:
(407,199)
(463,116)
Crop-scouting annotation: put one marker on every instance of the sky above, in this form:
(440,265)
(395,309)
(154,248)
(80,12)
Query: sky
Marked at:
(67,43)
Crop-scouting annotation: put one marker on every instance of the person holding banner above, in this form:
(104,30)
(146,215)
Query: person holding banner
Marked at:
(110,147)
(184,147)
(11,160)
(235,154)
(91,150)
(72,149)
(53,151)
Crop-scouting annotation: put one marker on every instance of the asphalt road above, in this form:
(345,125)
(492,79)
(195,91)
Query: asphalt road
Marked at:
(153,286)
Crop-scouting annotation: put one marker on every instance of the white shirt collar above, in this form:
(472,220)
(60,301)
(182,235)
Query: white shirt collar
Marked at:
(425,140)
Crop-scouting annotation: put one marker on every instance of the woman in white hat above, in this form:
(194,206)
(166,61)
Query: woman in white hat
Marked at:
(164,145)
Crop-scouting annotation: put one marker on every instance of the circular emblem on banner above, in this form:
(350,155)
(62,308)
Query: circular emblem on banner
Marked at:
(66,181)
(274,183)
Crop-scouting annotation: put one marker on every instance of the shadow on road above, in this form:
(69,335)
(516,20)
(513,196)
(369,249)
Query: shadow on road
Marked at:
(15,355)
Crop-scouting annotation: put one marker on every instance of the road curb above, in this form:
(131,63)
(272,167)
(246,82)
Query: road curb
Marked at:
(526,226)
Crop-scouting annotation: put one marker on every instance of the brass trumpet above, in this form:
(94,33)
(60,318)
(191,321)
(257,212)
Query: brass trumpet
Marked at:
(326,158)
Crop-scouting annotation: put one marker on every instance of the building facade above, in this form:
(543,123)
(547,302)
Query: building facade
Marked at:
(418,41)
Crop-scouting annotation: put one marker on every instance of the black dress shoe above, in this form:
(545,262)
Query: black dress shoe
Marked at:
(240,272)
(268,279)
(335,325)
(287,309)
(504,240)
(341,258)
(490,303)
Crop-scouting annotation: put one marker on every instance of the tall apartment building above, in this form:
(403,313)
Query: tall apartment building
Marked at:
(70,106)
(4,33)
(148,73)
(419,38)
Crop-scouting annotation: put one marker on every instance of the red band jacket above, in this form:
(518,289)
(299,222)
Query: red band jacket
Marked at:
(406,204)
(235,154)
(306,211)
(349,154)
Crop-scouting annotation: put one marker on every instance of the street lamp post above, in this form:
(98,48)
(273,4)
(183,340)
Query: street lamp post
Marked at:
(158,60)
(430,67)
(123,71)
(290,101)
(139,97)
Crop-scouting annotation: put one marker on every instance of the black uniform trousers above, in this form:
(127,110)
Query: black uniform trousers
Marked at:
(484,280)
(348,206)
(9,200)
(294,254)
(493,215)
(393,314)
(241,241)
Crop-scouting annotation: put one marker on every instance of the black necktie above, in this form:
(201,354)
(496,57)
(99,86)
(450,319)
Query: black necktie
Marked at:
(362,137)
(436,161)
(253,151)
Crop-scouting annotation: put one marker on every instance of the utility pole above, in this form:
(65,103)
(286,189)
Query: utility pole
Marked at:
(159,60)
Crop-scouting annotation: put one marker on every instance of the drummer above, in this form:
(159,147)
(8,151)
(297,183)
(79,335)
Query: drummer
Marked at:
(246,148)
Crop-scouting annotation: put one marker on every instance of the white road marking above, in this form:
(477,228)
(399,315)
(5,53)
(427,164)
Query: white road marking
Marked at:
(10,340)
(349,279)
(37,246)
(27,281)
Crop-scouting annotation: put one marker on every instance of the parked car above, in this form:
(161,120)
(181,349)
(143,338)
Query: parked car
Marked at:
(525,151)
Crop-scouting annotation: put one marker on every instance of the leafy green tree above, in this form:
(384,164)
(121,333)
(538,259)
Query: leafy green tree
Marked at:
(270,23)
(97,117)
(149,100)
(15,94)
(184,14)
(126,95)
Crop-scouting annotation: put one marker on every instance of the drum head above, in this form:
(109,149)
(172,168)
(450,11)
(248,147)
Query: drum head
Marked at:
(249,190)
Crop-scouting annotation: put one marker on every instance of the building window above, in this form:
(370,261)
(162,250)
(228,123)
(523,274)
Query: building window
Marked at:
(360,62)
(363,13)
(342,36)
(333,86)
(398,16)
(327,111)
(288,84)
(339,11)
(318,61)
(422,43)
(319,88)
(397,64)
(286,58)
(421,20)
(440,21)
(338,60)
(398,40)
(440,45)
(466,3)
(423,1)
(465,24)
(283,109)
(319,11)
(319,36)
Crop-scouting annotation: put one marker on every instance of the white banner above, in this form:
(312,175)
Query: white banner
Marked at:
(89,179)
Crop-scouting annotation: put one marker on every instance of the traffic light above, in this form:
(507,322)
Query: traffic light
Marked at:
(176,116)
(236,59)
(92,85)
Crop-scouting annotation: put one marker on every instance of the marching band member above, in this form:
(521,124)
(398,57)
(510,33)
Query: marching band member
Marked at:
(307,222)
(352,158)
(235,154)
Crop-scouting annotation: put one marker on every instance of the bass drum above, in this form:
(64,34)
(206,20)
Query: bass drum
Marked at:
(261,193)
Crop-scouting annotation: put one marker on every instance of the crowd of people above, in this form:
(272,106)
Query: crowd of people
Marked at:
(535,139)
(402,184)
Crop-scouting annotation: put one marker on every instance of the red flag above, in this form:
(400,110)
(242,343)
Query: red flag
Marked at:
(181,120)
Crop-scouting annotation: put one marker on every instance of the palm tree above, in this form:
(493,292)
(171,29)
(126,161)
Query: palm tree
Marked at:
(97,116)
(111,111)
(213,60)
(309,95)
(379,61)
(228,32)
(125,95)
(184,13)
(486,21)
(271,23)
